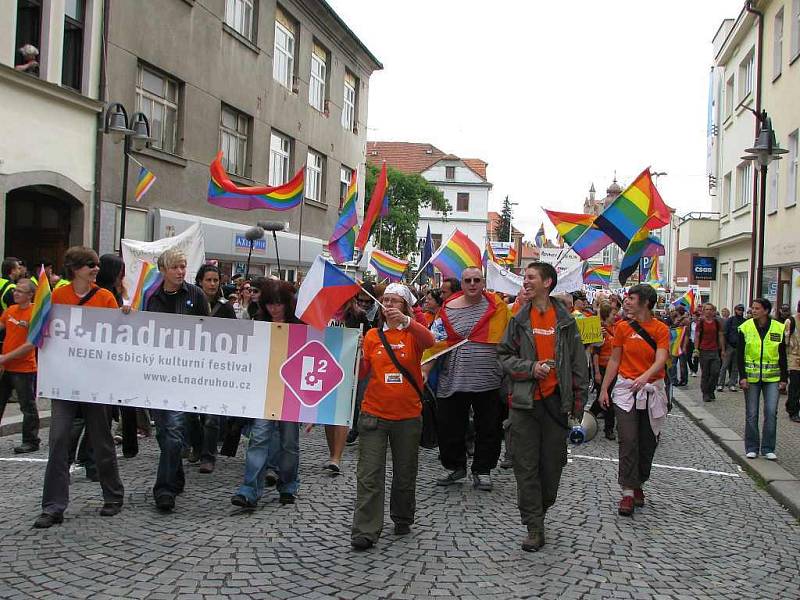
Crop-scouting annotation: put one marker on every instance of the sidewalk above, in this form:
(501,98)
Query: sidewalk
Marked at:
(723,419)
(11,423)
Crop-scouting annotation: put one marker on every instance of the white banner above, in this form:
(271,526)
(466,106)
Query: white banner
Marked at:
(231,367)
(190,242)
(502,280)
(570,281)
(568,258)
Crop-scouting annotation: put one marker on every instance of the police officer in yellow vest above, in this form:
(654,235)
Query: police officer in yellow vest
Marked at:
(12,269)
(763,371)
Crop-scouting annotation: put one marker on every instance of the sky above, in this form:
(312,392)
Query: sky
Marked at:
(554,96)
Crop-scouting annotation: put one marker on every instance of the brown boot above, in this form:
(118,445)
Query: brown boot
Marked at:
(534,541)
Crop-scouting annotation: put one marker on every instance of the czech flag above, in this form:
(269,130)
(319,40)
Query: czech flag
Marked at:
(323,292)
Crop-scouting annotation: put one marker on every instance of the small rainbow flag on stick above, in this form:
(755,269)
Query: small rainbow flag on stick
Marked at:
(146,285)
(676,341)
(456,255)
(143,183)
(599,275)
(388,266)
(343,239)
(41,310)
(688,300)
(223,192)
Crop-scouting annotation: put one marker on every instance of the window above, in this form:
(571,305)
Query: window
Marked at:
(29,27)
(449,173)
(72,52)
(436,238)
(791,182)
(729,96)
(746,72)
(777,44)
(157,98)
(314,166)
(349,101)
(345,174)
(772,192)
(795,49)
(744,184)
(283,58)
(462,201)
(279,155)
(316,83)
(740,288)
(239,17)
(233,133)
(726,195)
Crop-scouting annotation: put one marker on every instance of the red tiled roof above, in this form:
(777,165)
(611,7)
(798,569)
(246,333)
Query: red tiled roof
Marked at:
(530,251)
(477,165)
(412,157)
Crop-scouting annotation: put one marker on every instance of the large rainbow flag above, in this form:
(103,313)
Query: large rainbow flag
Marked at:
(146,285)
(599,275)
(41,310)
(688,300)
(458,253)
(579,232)
(378,208)
(643,244)
(223,192)
(342,242)
(638,206)
(388,266)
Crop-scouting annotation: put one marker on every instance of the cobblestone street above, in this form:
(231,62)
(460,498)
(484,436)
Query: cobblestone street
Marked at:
(707,532)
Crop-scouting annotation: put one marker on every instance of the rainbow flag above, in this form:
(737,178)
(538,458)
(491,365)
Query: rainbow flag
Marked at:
(638,206)
(146,285)
(388,266)
(488,254)
(223,192)
(286,341)
(688,300)
(676,340)
(599,275)
(41,310)
(511,257)
(579,232)
(643,244)
(378,208)
(540,239)
(342,242)
(456,255)
(144,182)
(650,266)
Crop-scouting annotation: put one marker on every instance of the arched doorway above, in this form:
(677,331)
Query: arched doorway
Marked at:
(39,221)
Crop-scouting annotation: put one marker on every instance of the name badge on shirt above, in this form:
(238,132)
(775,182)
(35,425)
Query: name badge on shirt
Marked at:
(393,378)
(775,337)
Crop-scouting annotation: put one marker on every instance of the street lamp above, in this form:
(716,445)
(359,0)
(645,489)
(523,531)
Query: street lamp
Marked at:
(136,137)
(763,152)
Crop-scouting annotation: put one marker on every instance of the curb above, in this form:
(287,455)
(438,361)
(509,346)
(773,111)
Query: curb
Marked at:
(13,425)
(780,483)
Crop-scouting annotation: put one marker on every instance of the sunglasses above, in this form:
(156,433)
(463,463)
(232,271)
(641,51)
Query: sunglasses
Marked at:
(472,279)
(91,264)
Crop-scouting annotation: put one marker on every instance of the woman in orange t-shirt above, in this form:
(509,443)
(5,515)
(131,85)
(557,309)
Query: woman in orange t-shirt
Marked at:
(390,412)
(640,400)
(601,354)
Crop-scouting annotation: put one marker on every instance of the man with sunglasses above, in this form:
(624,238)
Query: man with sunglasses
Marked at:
(470,377)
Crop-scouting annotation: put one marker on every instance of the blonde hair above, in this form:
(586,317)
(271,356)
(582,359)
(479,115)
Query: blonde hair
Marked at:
(170,258)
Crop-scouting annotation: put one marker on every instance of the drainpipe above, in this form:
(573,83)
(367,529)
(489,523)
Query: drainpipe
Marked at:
(756,226)
(98,146)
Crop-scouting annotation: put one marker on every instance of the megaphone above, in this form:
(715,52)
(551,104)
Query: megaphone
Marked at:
(584,431)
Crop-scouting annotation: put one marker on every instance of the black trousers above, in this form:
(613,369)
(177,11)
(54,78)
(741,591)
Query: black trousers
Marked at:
(793,399)
(596,409)
(25,386)
(452,417)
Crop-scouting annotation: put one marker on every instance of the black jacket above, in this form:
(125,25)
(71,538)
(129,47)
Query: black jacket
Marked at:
(732,329)
(189,300)
(222,308)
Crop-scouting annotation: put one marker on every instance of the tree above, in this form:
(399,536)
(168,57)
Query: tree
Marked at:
(502,230)
(397,233)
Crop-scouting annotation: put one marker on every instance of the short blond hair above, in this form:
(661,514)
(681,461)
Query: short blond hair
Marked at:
(170,258)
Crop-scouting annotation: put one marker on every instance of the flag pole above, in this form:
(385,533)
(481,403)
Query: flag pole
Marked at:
(299,238)
(371,296)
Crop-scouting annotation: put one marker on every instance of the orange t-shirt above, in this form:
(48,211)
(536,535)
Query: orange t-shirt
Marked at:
(102,298)
(388,395)
(544,335)
(637,354)
(16,320)
(604,351)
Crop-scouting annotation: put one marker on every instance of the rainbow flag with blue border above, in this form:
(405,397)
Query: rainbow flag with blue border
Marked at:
(456,255)
(147,283)
(223,192)
(388,266)
(41,310)
(144,182)
(342,244)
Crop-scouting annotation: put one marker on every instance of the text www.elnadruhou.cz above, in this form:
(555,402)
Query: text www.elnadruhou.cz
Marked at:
(200,381)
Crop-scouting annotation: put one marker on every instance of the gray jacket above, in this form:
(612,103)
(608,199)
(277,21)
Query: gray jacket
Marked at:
(517,354)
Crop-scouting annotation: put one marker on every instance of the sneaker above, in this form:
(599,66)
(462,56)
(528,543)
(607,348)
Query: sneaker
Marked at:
(610,435)
(46,520)
(193,456)
(110,509)
(165,503)
(242,502)
(771,456)
(271,478)
(793,418)
(25,448)
(638,497)
(706,398)
(482,481)
(206,467)
(733,388)
(453,477)
(332,468)
(361,543)
(534,541)
(352,436)
(402,529)
(720,388)
(287,498)
(752,455)
(694,374)
(626,506)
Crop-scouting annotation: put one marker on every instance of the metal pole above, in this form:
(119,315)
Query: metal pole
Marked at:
(249,254)
(124,205)
(277,254)
(758,291)
(299,239)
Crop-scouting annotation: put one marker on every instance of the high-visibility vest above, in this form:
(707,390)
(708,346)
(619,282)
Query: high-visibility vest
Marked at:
(5,286)
(762,356)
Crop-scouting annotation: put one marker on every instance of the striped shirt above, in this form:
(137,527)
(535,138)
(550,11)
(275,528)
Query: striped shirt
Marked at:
(472,367)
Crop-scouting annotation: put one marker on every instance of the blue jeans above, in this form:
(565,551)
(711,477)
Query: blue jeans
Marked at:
(752,397)
(271,443)
(170,433)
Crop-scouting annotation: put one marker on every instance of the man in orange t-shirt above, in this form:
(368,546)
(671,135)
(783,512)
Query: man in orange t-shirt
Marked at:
(18,364)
